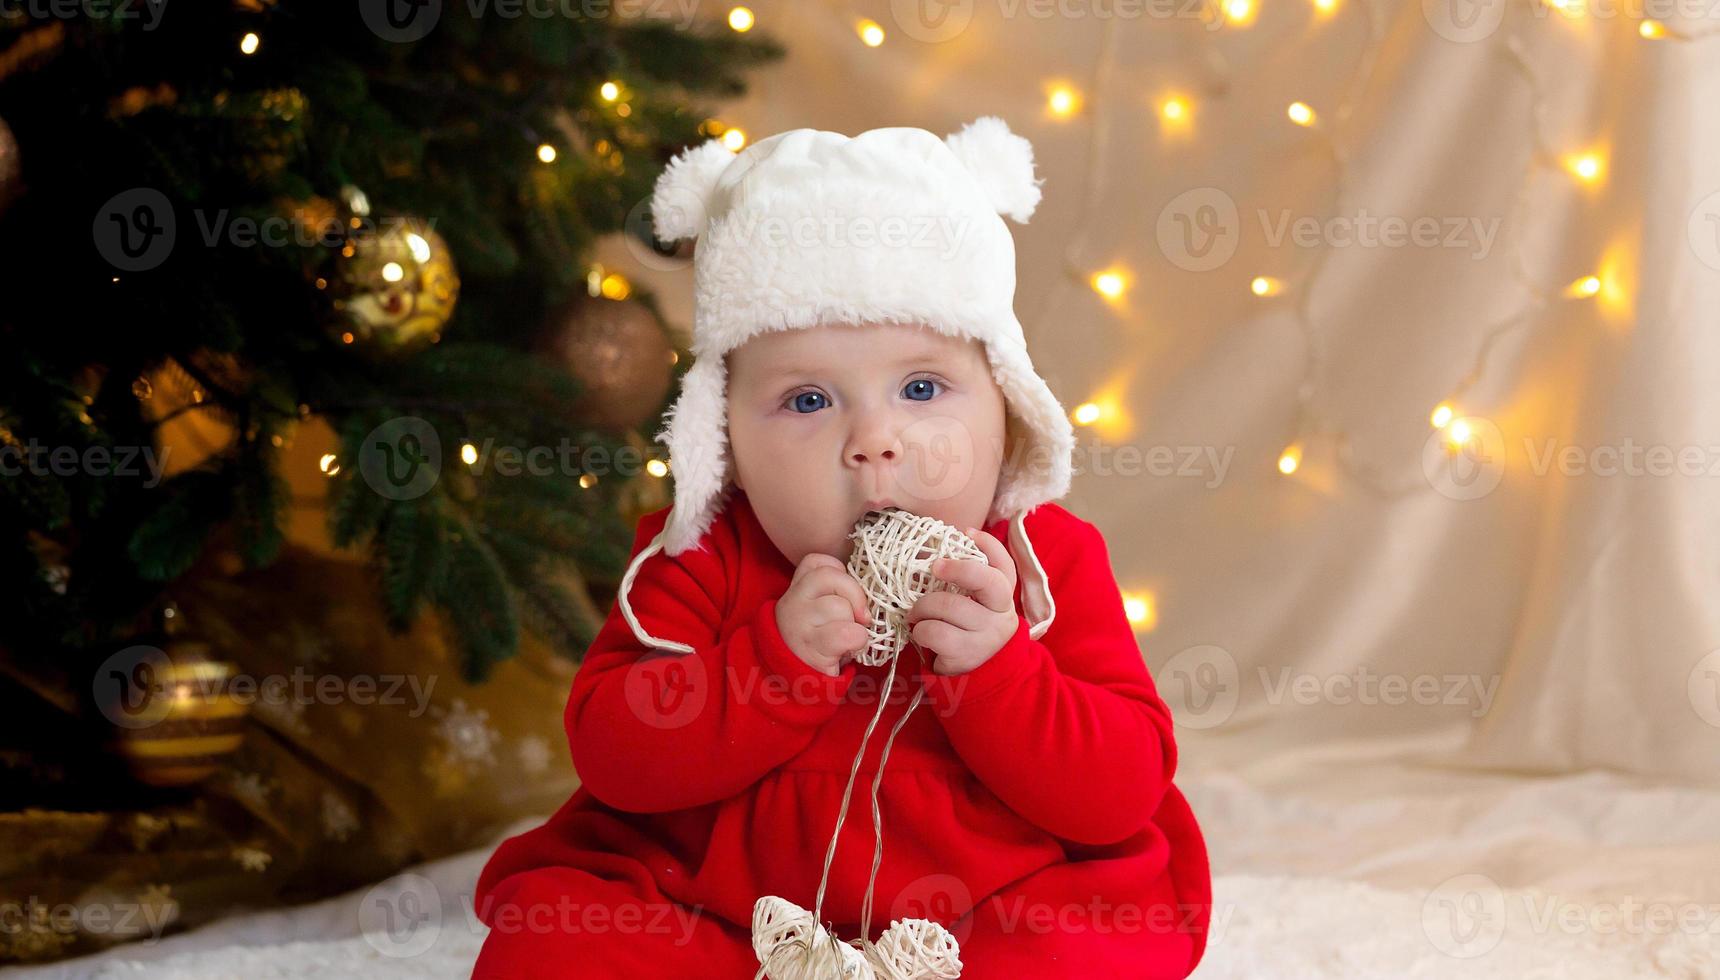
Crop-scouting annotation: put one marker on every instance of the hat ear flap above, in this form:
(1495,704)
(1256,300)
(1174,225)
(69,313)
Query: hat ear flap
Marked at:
(682,196)
(1002,162)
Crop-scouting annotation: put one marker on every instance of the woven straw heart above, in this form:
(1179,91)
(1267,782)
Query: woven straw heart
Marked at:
(916,949)
(892,560)
(790,946)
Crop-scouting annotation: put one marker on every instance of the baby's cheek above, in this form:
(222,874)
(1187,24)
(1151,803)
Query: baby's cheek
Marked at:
(943,458)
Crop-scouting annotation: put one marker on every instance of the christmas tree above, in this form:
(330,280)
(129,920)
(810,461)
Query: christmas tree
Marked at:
(379,216)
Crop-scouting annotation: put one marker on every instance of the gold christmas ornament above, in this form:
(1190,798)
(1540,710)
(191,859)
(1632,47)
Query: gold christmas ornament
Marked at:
(395,287)
(620,356)
(176,719)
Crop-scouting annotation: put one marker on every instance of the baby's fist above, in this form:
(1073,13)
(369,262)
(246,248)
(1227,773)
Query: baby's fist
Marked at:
(823,614)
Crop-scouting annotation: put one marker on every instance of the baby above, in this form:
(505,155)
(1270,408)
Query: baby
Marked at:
(830,422)
(714,720)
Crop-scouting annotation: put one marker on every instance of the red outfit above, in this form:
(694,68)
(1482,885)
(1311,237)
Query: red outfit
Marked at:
(1027,805)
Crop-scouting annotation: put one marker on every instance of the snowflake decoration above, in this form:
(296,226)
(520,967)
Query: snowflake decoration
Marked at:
(158,904)
(338,821)
(466,735)
(252,858)
(286,714)
(145,828)
(251,789)
(533,754)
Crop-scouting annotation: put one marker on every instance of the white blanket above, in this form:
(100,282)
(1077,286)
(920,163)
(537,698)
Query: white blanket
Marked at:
(1321,870)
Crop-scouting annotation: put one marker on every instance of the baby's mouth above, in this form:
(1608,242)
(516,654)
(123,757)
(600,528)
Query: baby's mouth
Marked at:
(880,503)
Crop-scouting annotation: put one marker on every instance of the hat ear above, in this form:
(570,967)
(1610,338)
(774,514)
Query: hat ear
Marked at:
(682,196)
(1002,162)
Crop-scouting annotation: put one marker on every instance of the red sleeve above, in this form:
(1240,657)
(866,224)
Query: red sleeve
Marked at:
(653,731)
(1069,731)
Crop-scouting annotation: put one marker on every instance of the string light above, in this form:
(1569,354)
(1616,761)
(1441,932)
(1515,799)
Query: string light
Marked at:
(1175,114)
(546,153)
(1586,167)
(468,454)
(1098,137)
(657,468)
(1326,7)
(741,20)
(1240,13)
(329,464)
(1265,286)
(587,481)
(250,42)
(615,286)
(734,139)
(1063,101)
(1654,30)
(1458,434)
(1110,284)
(1141,610)
(609,91)
(871,34)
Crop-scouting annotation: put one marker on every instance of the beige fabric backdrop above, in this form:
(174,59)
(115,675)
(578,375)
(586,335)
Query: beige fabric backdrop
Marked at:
(1559,620)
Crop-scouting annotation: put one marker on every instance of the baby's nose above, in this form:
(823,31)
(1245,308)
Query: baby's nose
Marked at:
(861,455)
(874,443)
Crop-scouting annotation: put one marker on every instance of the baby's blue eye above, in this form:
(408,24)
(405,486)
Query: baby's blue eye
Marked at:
(921,389)
(808,401)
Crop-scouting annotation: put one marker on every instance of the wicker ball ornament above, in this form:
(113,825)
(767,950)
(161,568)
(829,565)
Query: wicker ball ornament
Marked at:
(892,560)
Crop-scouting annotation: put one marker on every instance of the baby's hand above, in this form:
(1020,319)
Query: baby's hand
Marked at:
(965,631)
(823,614)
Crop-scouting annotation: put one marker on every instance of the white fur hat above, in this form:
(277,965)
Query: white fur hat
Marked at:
(810,227)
